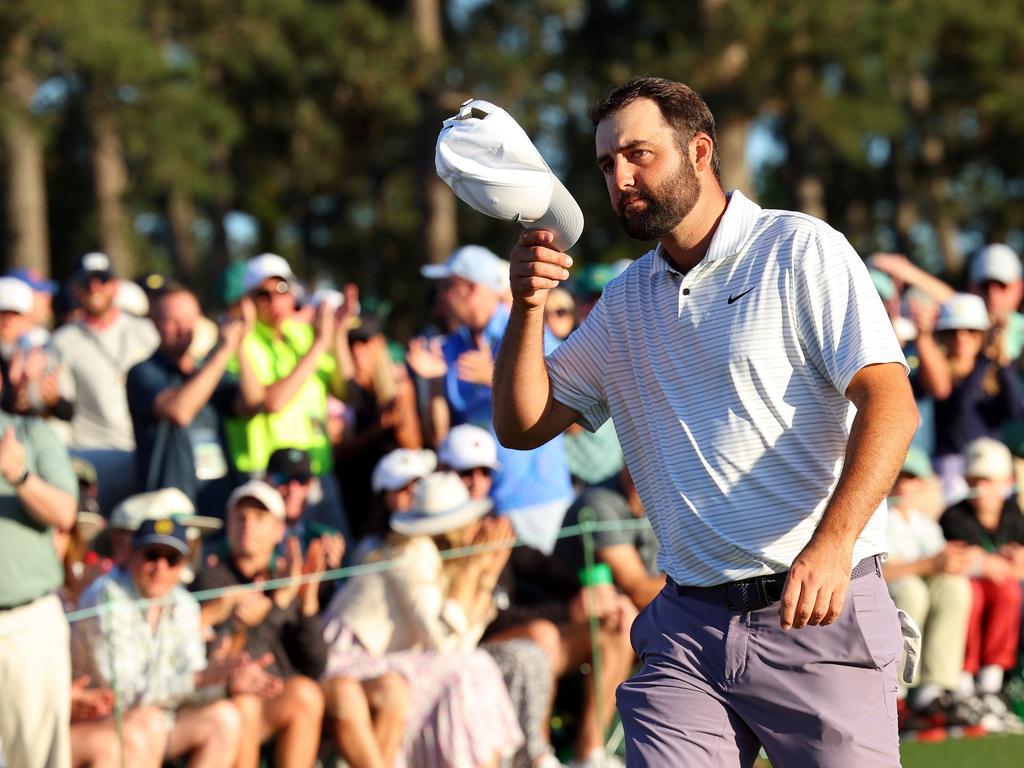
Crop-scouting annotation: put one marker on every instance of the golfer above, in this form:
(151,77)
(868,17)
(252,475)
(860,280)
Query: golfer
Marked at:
(763,407)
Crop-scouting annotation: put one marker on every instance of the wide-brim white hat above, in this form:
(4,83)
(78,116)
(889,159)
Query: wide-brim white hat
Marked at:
(490,163)
(440,503)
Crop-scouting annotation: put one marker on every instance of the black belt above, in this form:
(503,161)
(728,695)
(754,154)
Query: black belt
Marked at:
(760,591)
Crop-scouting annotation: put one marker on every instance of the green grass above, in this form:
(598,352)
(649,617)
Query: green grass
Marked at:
(989,751)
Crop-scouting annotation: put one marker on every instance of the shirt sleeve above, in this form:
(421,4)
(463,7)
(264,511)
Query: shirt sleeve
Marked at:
(575,369)
(143,384)
(840,317)
(52,463)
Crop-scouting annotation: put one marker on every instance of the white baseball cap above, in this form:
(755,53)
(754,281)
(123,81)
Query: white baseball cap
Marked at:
(963,310)
(985,457)
(468,446)
(440,503)
(474,263)
(259,268)
(156,505)
(491,165)
(996,262)
(264,493)
(400,467)
(15,296)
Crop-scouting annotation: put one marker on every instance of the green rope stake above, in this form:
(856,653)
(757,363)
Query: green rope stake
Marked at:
(593,573)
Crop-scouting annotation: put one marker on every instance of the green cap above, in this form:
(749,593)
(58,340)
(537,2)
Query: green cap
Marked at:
(917,463)
(598,573)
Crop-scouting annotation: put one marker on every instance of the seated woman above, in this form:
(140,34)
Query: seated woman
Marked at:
(422,618)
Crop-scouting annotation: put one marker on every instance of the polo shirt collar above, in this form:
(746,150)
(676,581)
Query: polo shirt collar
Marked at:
(733,230)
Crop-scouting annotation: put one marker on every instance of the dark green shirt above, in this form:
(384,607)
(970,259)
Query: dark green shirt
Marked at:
(28,562)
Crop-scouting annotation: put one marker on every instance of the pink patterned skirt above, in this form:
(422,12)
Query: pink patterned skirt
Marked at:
(460,713)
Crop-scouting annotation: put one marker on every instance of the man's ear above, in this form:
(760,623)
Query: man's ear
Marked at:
(702,149)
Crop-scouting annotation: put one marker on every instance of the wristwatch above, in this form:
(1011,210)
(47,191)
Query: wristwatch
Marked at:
(22,478)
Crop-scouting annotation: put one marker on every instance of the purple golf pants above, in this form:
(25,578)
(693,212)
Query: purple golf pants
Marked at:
(716,684)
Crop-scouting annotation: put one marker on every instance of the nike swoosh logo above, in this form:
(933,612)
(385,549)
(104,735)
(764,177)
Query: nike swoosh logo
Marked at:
(739,296)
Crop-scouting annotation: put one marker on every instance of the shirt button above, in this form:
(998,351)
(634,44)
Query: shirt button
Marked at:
(686,291)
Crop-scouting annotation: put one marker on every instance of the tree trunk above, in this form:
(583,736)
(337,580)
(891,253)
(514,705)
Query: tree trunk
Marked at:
(182,214)
(110,180)
(28,241)
(732,155)
(440,224)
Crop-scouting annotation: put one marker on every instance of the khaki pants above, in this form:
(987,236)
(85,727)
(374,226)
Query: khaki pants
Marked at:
(35,685)
(941,606)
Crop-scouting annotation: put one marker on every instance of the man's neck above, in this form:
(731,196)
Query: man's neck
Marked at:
(99,322)
(251,566)
(688,243)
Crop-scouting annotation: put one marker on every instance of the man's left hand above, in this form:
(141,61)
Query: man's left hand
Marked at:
(816,586)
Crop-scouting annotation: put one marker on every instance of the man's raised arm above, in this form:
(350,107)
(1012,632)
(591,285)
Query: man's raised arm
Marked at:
(525,412)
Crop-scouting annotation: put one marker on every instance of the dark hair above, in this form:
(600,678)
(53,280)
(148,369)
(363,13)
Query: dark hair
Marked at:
(170,288)
(681,107)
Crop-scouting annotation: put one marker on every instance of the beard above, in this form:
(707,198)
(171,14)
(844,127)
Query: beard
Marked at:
(666,205)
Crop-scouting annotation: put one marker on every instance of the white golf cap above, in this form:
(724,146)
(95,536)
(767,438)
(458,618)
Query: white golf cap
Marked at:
(985,457)
(153,505)
(963,310)
(474,263)
(995,262)
(468,446)
(440,503)
(397,469)
(491,165)
(15,296)
(266,494)
(259,268)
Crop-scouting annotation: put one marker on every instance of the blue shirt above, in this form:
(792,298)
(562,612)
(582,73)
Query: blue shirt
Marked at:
(526,478)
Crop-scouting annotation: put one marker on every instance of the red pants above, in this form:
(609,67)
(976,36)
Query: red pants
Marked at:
(993,631)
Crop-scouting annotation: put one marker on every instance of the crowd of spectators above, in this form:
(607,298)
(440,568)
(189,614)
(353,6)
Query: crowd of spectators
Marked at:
(225,469)
(187,611)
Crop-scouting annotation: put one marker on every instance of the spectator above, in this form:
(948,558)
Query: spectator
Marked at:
(972,381)
(294,364)
(560,313)
(43,291)
(118,538)
(421,620)
(281,623)
(992,526)
(392,482)
(96,352)
(533,488)
(177,403)
(290,472)
(382,401)
(33,385)
(995,275)
(155,656)
(541,601)
(37,495)
(927,578)
(631,551)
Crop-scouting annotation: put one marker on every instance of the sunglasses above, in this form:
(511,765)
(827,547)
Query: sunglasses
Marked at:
(280,288)
(560,312)
(286,479)
(464,473)
(100,277)
(173,558)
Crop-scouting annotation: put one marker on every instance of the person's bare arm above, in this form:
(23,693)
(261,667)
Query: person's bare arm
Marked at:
(900,267)
(526,414)
(179,405)
(45,503)
(882,429)
(630,575)
(281,392)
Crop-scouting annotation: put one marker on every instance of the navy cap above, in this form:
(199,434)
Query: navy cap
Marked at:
(165,531)
(288,463)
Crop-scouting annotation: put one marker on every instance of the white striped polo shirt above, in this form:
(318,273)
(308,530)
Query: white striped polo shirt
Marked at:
(726,386)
